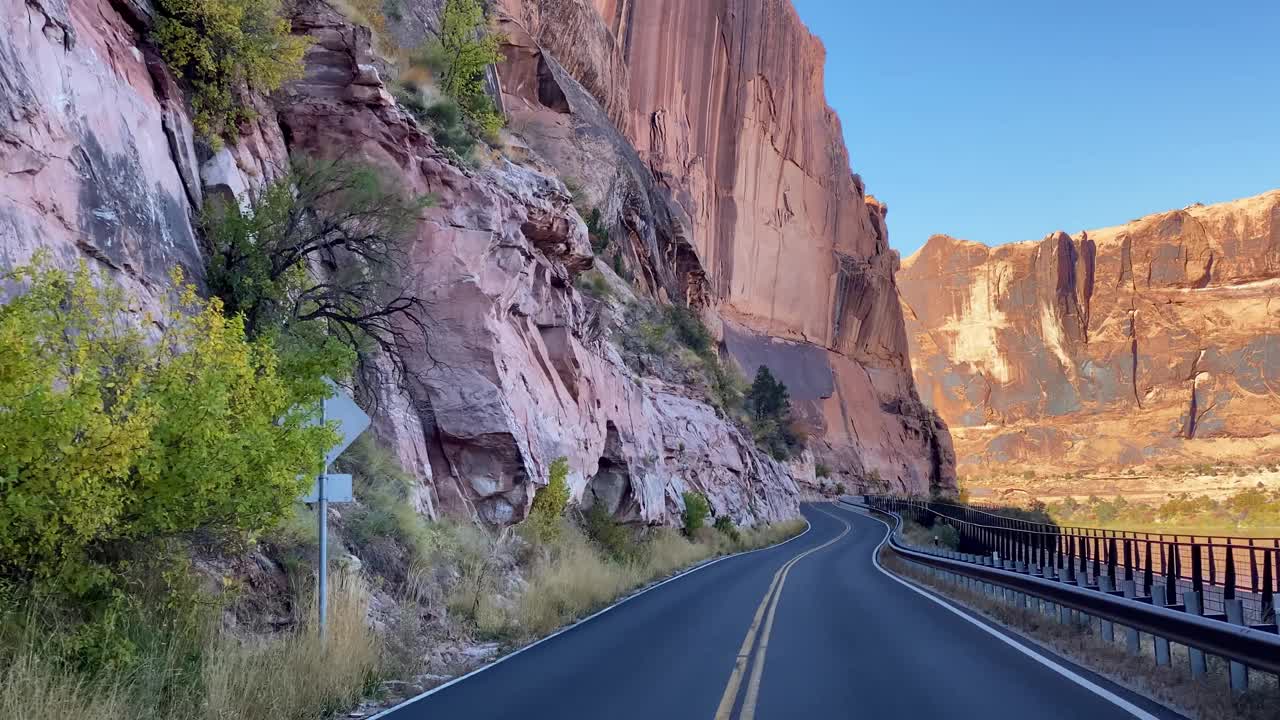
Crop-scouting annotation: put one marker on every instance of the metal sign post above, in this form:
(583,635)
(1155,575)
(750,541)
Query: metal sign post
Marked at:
(323,519)
(351,421)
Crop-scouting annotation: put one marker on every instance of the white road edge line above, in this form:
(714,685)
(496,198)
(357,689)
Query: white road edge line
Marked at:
(589,618)
(1069,674)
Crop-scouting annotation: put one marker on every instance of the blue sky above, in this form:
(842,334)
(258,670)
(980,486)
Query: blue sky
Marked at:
(1002,121)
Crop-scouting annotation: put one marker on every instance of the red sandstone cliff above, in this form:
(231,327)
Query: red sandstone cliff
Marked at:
(731,178)
(1157,340)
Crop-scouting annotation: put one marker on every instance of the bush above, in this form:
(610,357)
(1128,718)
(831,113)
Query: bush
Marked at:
(597,231)
(724,524)
(946,535)
(695,513)
(822,470)
(449,128)
(549,503)
(593,283)
(689,329)
(110,438)
(575,577)
(221,47)
(673,343)
(610,535)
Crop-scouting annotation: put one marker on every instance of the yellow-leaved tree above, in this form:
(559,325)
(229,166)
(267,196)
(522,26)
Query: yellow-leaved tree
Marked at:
(109,436)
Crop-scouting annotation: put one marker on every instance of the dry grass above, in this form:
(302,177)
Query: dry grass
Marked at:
(297,675)
(206,674)
(302,675)
(575,577)
(32,689)
(1172,686)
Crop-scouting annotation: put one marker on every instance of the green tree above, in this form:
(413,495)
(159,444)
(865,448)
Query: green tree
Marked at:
(696,511)
(459,55)
(767,398)
(223,47)
(315,262)
(549,503)
(107,437)
(769,406)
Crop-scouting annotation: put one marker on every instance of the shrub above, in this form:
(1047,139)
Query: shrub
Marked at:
(449,128)
(593,283)
(619,266)
(821,470)
(549,503)
(724,524)
(386,511)
(725,385)
(222,47)
(597,231)
(610,535)
(946,535)
(696,511)
(689,328)
(110,438)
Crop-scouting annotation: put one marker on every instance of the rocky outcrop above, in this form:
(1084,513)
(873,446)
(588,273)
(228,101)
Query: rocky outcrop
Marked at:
(1153,341)
(700,130)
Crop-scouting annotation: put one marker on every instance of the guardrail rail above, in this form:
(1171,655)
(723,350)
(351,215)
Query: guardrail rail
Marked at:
(1043,570)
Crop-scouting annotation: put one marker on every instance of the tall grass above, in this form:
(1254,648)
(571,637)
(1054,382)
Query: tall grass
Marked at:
(301,675)
(210,676)
(578,576)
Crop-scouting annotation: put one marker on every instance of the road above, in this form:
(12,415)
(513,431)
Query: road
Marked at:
(808,629)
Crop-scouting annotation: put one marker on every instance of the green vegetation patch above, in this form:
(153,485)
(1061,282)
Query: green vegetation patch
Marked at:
(223,49)
(110,437)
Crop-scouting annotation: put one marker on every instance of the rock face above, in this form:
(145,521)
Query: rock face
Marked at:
(1158,340)
(95,147)
(705,196)
(702,127)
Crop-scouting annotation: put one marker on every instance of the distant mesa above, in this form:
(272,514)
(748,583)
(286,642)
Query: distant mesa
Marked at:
(1153,341)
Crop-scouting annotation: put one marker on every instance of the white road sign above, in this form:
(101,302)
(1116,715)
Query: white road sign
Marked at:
(337,488)
(351,420)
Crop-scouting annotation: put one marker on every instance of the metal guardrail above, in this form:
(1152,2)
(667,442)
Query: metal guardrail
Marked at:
(1257,647)
(1221,568)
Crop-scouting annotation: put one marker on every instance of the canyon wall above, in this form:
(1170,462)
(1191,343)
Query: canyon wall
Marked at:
(739,203)
(702,127)
(1157,341)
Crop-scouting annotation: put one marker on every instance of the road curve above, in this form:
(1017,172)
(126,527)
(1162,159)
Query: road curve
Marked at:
(808,629)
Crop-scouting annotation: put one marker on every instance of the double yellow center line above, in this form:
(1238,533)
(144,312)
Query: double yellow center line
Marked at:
(770,601)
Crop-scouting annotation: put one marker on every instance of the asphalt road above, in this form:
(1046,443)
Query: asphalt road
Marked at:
(808,629)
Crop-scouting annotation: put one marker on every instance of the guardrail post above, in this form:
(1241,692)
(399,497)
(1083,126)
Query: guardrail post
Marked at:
(1239,671)
(1108,627)
(1193,600)
(1158,599)
(1133,641)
